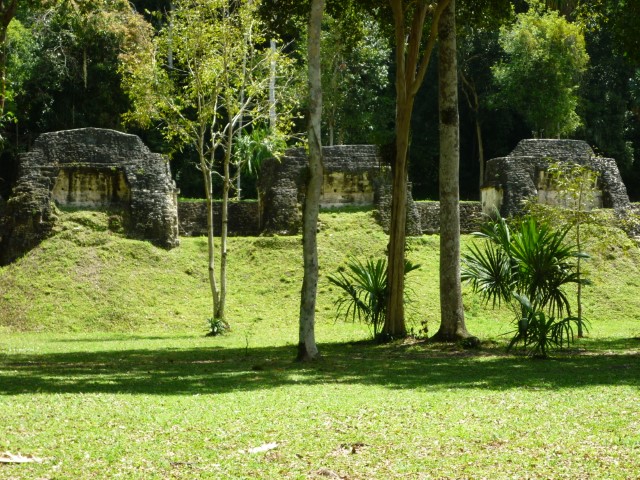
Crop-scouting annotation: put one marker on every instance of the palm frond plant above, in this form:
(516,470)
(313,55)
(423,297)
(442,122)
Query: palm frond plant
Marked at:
(538,333)
(364,291)
(534,262)
(546,264)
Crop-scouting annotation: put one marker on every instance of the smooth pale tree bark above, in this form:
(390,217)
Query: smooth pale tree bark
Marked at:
(307,349)
(411,67)
(211,270)
(452,326)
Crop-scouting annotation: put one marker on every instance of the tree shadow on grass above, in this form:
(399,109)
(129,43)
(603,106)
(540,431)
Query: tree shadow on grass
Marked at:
(210,370)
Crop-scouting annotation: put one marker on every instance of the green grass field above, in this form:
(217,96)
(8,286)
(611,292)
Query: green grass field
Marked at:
(105,371)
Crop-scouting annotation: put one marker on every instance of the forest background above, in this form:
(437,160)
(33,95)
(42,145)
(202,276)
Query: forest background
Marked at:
(62,63)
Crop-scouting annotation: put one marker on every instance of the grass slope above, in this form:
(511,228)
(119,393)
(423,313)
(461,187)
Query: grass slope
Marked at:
(89,279)
(105,372)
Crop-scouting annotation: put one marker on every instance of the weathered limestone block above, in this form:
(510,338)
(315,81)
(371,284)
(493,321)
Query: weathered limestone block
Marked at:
(511,180)
(88,168)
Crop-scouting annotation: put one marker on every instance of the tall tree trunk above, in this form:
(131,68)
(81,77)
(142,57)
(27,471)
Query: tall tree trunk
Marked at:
(452,326)
(394,326)
(272,88)
(578,266)
(307,349)
(170,52)
(471,93)
(411,67)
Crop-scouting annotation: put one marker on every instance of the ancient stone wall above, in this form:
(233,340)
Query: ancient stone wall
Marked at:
(89,168)
(471,217)
(511,180)
(244,218)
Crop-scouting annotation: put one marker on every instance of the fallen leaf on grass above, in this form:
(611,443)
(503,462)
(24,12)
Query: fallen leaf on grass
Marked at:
(8,457)
(263,448)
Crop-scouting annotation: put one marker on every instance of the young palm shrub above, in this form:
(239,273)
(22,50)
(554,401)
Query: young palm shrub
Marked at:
(540,333)
(364,291)
(534,263)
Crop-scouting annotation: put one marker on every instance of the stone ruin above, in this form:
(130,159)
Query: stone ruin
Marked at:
(511,180)
(89,168)
(353,175)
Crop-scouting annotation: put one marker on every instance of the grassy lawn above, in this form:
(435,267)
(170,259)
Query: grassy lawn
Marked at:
(105,372)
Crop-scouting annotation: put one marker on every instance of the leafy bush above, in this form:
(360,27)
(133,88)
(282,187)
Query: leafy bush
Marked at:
(364,291)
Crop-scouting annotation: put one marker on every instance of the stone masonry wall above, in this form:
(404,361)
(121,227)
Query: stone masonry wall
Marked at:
(471,217)
(353,174)
(244,218)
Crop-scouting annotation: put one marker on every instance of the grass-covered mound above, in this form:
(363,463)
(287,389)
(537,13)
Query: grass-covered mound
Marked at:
(87,278)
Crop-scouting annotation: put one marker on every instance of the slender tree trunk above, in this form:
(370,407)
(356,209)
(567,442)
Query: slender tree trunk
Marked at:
(85,68)
(170,52)
(394,323)
(307,349)
(226,186)
(480,149)
(215,294)
(578,271)
(272,88)
(7,12)
(330,125)
(394,326)
(579,274)
(3,66)
(452,326)
(470,93)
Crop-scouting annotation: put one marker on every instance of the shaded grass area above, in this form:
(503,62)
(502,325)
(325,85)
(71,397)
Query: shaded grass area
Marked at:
(183,407)
(171,368)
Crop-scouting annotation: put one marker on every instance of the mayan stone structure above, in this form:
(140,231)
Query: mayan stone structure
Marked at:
(353,175)
(89,168)
(510,180)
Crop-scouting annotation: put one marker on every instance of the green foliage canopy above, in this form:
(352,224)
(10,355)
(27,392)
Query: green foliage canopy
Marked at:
(545,57)
(357,98)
